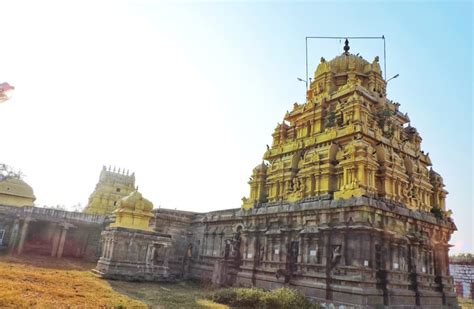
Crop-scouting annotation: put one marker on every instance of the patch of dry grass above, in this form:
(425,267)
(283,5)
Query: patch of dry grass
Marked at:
(40,282)
(178,295)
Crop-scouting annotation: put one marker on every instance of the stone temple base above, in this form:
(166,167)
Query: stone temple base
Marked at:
(134,255)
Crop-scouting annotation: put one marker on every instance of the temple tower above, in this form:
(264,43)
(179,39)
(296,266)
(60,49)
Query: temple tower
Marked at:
(112,186)
(347,140)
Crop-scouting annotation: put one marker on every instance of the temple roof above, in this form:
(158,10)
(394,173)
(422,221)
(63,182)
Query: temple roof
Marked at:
(16,187)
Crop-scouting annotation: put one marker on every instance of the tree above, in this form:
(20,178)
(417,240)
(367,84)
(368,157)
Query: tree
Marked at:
(7,172)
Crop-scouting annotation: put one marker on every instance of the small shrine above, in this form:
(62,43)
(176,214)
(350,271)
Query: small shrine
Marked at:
(131,250)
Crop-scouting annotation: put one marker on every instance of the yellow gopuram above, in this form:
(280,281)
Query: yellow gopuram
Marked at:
(112,186)
(347,140)
(133,212)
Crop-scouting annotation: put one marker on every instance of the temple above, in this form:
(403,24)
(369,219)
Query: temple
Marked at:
(344,207)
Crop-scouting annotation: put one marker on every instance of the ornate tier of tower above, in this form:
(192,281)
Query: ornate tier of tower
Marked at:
(112,186)
(347,140)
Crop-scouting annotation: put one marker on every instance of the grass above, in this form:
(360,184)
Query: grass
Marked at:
(184,294)
(41,282)
(44,282)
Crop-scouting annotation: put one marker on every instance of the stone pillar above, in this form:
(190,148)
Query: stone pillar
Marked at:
(430,266)
(266,248)
(243,245)
(279,241)
(166,257)
(326,248)
(14,235)
(252,242)
(62,240)
(221,245)
(446,259)
(372,251)
(111,247)
(213,247)
(56,237)
(269,251)
(85,241)
(204,244)
(302,256)
(439,260)
(108,245)
(344,250)
(23,234)
(105,242)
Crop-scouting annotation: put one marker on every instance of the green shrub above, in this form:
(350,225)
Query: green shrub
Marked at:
(283,298)
(250,298)
(224,296)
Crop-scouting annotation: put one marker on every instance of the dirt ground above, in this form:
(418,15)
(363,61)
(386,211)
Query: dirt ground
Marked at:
(45,282)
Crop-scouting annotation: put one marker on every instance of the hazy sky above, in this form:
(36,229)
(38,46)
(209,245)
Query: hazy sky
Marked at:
(187,95)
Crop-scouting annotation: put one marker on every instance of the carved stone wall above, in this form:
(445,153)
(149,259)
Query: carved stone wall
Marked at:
(361,251)
(134,255)
(177,224)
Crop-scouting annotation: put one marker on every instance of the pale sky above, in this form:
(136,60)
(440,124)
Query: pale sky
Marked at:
(187,95)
